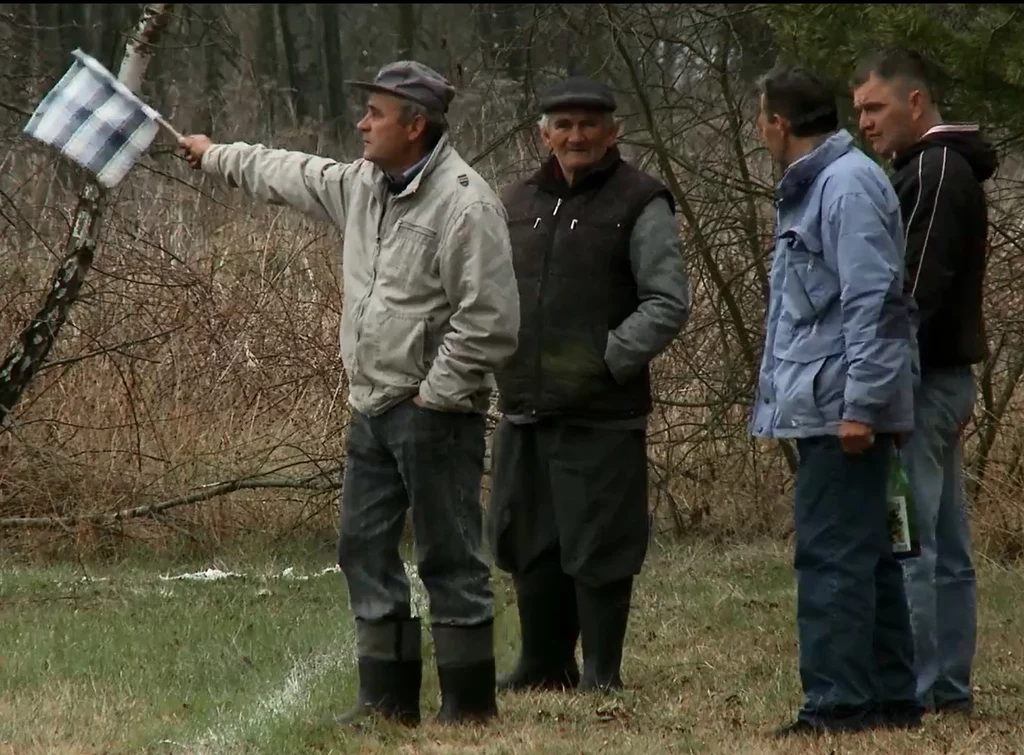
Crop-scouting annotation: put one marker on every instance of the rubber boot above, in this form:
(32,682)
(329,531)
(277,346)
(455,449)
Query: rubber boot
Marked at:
(465,673)
(604,613)
(390,672)
(549,629)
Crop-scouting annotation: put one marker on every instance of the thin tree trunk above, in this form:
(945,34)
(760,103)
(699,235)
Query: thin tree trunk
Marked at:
(266,63)
(291,65)
(485,31)
(509,33)
(406,31)
(206,14)
(331,66)
(37,338)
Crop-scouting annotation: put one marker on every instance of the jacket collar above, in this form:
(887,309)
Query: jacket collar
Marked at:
(802,173)
(417,173)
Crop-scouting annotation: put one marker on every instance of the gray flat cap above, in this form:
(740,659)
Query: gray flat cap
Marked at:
(412,81)
(578,92)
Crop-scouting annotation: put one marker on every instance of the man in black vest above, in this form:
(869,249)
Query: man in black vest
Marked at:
(603,290)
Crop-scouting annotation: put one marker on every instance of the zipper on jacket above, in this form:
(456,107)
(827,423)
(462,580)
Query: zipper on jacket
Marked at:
(373,267)
(538,385)
(380,224)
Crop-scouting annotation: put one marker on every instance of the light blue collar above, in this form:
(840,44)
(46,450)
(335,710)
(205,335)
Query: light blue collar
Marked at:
(802,173)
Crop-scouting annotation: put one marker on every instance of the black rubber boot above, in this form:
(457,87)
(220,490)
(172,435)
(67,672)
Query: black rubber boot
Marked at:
(549,629)
(465,673)
(390,672)
(604,613)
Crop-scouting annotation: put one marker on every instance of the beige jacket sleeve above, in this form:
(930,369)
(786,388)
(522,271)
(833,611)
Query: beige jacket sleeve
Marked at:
(315,185)
(478,277)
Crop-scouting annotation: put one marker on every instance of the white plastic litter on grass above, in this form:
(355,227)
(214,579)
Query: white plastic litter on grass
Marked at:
(289,573)
(213,574)
(210,575)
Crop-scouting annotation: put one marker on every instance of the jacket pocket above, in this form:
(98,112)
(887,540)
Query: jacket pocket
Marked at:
(573,367)
(810,287)
(392,349)
(810,383)
(414,233)
(797,389)
(407,266)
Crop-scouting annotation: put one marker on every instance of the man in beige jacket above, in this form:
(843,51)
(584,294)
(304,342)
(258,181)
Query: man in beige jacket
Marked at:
(431,311)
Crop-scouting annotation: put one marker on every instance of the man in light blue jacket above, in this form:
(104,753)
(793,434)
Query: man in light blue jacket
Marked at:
(837,376)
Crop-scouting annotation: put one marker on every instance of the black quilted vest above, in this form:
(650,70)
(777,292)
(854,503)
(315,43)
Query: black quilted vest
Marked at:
(570,248)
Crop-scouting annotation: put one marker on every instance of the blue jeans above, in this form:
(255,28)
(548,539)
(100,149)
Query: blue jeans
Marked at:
(856,649)
(430,462)
(941,582)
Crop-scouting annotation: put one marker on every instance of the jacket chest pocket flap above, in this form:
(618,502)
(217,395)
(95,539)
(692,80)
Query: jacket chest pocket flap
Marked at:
(410,253)
(811,287)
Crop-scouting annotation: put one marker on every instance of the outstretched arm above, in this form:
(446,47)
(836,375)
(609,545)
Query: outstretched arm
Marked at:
(314,185)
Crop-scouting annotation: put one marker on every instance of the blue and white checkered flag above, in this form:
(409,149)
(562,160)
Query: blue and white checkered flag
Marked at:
(95,120)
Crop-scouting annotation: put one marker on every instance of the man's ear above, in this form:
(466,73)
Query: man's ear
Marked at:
(782,124)
(916,102)
(417,127)
(545,138)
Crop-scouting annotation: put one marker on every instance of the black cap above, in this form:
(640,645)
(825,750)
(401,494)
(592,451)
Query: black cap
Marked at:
(578,92)
(412,81)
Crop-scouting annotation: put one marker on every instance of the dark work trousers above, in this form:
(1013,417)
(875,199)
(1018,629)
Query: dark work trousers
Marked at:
(431,461)
(569,520)
(576,495)
(855,642)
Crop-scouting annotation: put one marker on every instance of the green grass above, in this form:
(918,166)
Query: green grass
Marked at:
(122,661)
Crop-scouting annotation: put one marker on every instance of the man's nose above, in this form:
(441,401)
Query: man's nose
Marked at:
(865,122)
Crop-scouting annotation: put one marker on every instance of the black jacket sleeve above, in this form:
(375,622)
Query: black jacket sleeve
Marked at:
(934,206)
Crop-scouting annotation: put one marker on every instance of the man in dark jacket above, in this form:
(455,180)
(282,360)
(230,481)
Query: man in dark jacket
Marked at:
(939,170)
(603,290)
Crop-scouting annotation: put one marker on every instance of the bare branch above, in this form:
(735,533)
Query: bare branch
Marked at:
(205,493)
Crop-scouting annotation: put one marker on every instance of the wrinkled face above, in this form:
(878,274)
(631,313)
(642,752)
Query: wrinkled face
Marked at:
(386,141)
(773,130)
(888,114)
(579,138)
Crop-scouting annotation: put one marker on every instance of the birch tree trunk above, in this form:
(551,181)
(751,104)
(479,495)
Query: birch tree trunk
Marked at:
(38,337)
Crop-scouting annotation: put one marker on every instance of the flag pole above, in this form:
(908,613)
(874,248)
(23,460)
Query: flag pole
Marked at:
(173,131)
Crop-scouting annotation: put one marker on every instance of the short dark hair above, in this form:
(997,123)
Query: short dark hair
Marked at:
(891,63)
(803,98)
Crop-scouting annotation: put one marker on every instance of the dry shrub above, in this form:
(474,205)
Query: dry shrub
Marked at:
(203,349)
